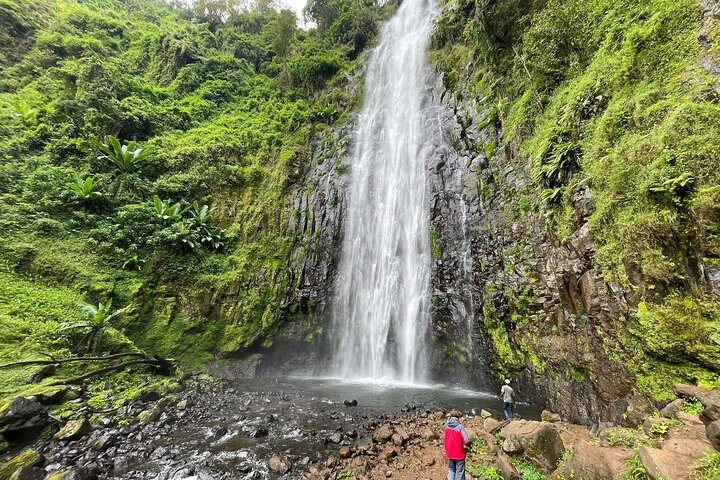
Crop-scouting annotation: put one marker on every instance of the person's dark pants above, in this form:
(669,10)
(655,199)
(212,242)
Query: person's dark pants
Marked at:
(507,408)
(456,469)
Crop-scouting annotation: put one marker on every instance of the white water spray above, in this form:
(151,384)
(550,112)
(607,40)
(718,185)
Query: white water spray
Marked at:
(381,311)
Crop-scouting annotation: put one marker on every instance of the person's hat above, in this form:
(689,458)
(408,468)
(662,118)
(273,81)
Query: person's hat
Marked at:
(507,381)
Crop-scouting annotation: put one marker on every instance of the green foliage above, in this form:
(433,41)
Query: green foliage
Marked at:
(86,190)
(527,469)
(708,467)
(684,330)
(484,471)
(435,247)
(124,157)
(634,469)
(94,327)
(618,436)
(167,211)
(693,406)
(219,94)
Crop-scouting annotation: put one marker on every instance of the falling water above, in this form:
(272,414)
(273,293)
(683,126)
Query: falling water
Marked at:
(381,311)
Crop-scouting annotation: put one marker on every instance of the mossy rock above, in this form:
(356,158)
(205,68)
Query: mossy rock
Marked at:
(48,395)
(59,475)
(74,429)
(28,458)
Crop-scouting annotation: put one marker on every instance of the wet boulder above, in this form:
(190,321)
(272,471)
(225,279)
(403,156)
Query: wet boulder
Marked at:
(350,403)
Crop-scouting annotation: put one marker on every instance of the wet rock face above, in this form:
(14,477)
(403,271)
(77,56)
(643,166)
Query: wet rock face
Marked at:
(507,295)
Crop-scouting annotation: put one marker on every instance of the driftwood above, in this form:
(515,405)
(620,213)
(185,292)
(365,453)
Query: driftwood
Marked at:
(53,361)
(164,365)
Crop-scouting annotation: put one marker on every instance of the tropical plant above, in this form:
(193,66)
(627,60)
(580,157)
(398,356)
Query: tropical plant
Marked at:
(26,113)
(200,215)
(133,262)
(94,326)
(124,157)
(85,189)
(167,211)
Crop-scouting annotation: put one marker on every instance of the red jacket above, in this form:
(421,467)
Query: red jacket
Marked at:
(455,438)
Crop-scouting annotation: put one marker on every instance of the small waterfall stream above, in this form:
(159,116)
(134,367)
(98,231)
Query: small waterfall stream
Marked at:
(381,310)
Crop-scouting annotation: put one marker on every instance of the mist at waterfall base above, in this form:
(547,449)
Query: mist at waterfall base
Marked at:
(381,312)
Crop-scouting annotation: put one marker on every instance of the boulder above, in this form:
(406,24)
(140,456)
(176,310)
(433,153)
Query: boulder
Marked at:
(674,460)
(42,374)
(491,425)
(710,399)
(597,463)
(427,434)
(397,439)
(539,442)
(712,432)
(350,403)
(50,395)
(548,416)
(261,432)
(485,414)
(672,409)
(23,420)
(335,438)
(279,464)
(654,426)
(149,416)
(26,459)
(383,433)
(344,452)
(102,443)
(638,409)
(74,429)
(29,473)
(506,469)
(387,454)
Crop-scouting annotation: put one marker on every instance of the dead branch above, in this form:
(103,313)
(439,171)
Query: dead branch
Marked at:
(68,360)
(157,362)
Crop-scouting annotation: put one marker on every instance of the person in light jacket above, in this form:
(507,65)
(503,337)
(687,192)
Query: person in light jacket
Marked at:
(455,440)
(508,397)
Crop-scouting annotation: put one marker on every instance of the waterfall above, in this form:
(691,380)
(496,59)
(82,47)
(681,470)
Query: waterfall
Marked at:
(381,311)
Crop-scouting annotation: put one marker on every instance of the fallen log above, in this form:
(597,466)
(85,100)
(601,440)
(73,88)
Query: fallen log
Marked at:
(68,360)
(164,365)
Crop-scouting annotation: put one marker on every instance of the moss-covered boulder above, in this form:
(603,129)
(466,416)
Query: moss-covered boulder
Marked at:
(48,395)
(74,429)
(28,458)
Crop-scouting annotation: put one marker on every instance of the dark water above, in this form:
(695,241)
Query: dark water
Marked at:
(221,436)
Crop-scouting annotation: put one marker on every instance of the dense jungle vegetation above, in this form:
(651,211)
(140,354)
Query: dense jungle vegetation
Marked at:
(147,150)
(620,97)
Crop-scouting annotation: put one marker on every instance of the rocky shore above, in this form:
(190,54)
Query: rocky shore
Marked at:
(203,429)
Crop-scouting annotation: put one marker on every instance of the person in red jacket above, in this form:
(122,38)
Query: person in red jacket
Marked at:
(455,439)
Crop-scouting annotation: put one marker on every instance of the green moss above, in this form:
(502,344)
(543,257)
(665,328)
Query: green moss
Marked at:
(28,458)
(435,244)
